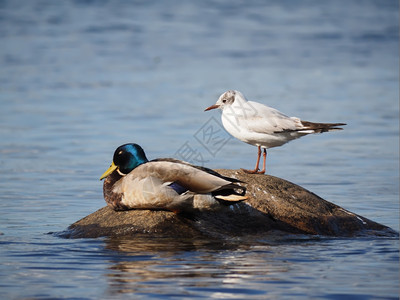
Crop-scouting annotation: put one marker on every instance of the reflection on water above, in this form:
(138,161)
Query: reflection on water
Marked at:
(183,266)
(140,263)
(208,268)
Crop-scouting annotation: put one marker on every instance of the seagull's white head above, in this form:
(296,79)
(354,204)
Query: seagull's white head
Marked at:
(227,99)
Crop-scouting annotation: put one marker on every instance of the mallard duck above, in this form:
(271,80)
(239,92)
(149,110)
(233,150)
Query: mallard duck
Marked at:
(134,182)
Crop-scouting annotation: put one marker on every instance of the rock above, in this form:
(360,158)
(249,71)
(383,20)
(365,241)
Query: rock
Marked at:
(107,222)
(274,205)
(301,209)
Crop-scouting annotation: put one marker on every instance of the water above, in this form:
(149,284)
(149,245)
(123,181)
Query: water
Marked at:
(78,78)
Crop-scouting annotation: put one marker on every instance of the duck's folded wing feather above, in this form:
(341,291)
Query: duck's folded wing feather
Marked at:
(208,170)
(151,193)
(190,177)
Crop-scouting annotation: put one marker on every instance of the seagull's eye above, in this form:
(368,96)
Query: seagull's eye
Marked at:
(224,101)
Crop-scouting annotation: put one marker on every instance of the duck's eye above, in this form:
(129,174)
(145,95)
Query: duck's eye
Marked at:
(120,152)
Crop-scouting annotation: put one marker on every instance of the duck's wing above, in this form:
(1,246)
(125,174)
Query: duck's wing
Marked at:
(208,170)
(192,178)
(150,193)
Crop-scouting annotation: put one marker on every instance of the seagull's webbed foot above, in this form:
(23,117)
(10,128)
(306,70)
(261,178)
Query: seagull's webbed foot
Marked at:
(255,171)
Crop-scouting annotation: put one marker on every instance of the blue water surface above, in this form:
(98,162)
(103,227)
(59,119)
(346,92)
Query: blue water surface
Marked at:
(79,78)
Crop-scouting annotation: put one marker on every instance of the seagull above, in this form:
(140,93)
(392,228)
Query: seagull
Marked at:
(263,126)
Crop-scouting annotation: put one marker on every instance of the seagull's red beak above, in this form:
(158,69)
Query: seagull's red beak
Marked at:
(212,107)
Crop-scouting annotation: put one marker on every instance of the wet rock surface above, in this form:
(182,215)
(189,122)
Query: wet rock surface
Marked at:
(274,205)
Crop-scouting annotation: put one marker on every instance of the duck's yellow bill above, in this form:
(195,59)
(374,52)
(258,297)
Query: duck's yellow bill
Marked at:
(109,171)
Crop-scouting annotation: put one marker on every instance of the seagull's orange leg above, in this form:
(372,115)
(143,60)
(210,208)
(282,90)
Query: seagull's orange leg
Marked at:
(257,164)
(264,162)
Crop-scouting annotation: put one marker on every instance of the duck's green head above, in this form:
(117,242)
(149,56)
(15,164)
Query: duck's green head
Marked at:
(126,158)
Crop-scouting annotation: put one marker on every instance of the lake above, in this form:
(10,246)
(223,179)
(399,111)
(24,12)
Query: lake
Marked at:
(79,78)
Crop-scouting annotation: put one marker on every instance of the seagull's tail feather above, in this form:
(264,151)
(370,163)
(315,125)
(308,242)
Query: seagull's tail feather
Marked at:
(320,127)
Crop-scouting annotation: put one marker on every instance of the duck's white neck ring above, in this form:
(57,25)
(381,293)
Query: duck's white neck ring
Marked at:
(120,173)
